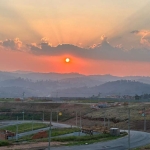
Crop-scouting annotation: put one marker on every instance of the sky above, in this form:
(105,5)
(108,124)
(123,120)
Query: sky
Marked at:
(99,37)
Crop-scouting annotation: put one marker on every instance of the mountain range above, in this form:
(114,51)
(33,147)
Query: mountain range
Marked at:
(14,84)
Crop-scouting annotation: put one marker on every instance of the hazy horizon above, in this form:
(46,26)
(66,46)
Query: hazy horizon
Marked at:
(27,71)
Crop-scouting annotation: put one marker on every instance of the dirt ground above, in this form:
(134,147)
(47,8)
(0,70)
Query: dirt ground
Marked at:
(32,146)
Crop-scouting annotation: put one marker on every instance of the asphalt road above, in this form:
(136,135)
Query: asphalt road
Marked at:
(137,139)
(55,125)
(14,122)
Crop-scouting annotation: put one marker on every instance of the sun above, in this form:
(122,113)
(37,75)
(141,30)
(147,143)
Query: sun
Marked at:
(67,60)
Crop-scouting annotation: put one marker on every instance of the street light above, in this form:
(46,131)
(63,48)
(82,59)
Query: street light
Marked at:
(144,115)
(17,130)
(58,114)
(129,128)
(32,122)
(23,115)
(43,115)
(49,139)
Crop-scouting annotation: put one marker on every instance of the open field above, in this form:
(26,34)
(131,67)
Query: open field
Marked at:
(24,127)
(116,116)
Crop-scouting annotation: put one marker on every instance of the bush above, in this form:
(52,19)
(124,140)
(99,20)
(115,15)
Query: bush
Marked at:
(4,143)
(81,138)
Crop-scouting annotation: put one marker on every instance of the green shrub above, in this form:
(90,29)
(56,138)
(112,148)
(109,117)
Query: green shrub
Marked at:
(4,143)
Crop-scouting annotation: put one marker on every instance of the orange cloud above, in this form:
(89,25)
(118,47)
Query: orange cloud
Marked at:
(145,36)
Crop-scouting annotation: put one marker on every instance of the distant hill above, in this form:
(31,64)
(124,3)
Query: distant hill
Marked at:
(42,88)
(69,84)
(104,78)
(34,76)
(6,76)
(37,76)
(120,87)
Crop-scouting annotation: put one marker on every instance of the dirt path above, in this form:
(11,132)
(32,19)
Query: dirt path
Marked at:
(30,146)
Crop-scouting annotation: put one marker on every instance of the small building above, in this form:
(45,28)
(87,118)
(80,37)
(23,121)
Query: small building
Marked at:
(115,131)
(102,105)
(5,134)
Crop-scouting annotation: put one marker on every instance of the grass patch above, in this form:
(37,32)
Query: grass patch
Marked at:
(4,143)
(80,140)
(54,133)
(73,140)
(57,132)
(25,127)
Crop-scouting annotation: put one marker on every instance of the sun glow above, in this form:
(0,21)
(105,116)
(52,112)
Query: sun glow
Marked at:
(67,60)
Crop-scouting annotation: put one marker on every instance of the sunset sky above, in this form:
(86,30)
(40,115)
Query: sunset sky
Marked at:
(99,36)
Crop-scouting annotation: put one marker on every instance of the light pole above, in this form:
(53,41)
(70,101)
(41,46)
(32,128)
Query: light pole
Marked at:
(23,115)
(23,95)
(80,121)
(49,139)
(144,119)
(76,119)
(104,119)
(57,116)
(32,122)
(17,130)
(129,128)
(43,116)
(108,122)
(80,124)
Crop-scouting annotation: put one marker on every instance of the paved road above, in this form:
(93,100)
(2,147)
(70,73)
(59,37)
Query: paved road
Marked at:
(14,122)
(137,139)
(55,125)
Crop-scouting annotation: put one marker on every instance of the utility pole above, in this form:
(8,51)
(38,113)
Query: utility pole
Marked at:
(80,121)
(104,118)
(17,130)
(49,139)
(80,124)
(43,115)
(51,116)
(23,115)
(129,129)
(144,119)
(32,122)
(108,122)
(57,116)
(76,119)
(23,95)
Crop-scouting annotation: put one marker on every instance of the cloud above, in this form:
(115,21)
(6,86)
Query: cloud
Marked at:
(44,40)
(145,40)
(101,51)
(103,38)
(145,37)
(135,32)
(12,44)
(47,49)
